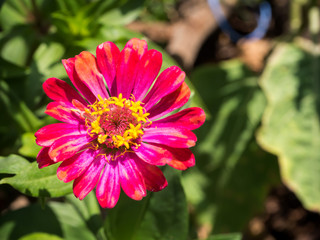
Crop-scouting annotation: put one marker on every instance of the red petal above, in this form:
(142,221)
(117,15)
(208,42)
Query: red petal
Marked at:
(108,188)
(75,166)
(88,72)
(64,113)
(131,179)
(153,176)
(173,137)
(88,180)
(170,102)
(126,71)
(69,65)
(153,154)
(48,134)
(138,45)
(190,118)
(66,147)
(61,91)
(147,70)
(182,159)
(167,82)
(107,58)
(179,158)
(43,158)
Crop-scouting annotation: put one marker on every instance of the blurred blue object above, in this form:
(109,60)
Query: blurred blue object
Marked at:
(258,33)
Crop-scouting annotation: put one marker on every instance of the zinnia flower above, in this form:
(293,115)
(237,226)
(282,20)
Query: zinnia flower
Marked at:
(114,131)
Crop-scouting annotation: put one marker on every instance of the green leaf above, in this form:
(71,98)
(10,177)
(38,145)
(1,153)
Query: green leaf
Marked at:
(46,63)
(229,207)
(18,110)
(158,10)
(89,210)
(60,220)
(17,45)
(29,147)
(290,126)
(122,15)
(25,23)
(22,12)
(161,215)
(9,70)
(221,185)
(40,236)
(236,104)
(14,12)
(166,216)
(46,57)
(13,164)
(33,181)
(79,20)
(244,193)
(230,236)
(72,224)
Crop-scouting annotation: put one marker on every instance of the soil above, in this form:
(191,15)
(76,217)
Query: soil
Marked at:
(284,218)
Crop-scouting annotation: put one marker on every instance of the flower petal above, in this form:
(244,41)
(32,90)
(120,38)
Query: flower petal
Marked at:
(69,65)
(64,113)
(179,158)
(138,45)
(59,90)
(79,106)
(170,102)
(173,137)
(190,118)
(182,158)
(147,70)
(152,175)
(43,158)
(88,180)
(153,154)
(167,82)
(48,134)
(66,147)
(107,58)
(127,68)
(126,71)
(75,166)
(131,179)
(88,72)
(108,188)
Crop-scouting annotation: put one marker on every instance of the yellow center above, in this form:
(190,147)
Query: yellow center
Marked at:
(118,122)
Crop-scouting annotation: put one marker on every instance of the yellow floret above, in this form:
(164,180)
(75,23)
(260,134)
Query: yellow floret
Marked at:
(102,138)
(122,140)
(97,110)
(95,126)
(135,131)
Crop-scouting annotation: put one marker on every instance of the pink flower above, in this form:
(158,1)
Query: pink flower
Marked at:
(114,134)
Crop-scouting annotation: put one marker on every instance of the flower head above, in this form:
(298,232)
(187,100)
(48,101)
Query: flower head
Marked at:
(113,132)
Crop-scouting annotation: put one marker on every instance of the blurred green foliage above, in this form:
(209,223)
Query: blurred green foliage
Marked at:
(249,116)
(291,121)
(233,174)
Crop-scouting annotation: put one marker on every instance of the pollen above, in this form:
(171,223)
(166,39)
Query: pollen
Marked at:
(117,122)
